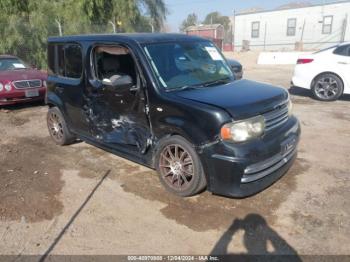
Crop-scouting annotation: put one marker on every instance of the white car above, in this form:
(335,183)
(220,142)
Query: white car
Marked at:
(326,72)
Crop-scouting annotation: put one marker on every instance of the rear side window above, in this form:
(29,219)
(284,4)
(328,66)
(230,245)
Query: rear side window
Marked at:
(343,50)
(65,60)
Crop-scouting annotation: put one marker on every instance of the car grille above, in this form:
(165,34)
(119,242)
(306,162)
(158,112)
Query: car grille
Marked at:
(276,117)
(27,84)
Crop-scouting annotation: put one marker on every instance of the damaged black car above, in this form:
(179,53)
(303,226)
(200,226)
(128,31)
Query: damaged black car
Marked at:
(172,103)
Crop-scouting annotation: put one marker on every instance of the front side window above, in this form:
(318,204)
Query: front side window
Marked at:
(255,29)
(291,26)
(11,64)
(327,25)
(187,64)
(112,61)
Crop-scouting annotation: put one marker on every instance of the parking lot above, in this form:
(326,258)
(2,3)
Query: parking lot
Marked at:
(81,200)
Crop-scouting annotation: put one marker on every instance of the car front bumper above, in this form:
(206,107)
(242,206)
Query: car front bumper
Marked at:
(19,96)
(242,170)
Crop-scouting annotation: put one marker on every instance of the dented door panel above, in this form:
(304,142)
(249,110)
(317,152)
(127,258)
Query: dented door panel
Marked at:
(118,116)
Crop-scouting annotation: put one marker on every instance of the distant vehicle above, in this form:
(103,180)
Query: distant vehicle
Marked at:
(20,83)
(326,72)
(236,68)
(171,102)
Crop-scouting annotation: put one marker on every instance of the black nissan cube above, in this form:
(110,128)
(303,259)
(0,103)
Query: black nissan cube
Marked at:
(172,103)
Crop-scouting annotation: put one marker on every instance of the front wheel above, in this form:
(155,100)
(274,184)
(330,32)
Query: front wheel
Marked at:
(58,128)
(179,167)
(327,87)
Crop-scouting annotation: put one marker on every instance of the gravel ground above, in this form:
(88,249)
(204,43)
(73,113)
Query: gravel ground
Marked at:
(81,200)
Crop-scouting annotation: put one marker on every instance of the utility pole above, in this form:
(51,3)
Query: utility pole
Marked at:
(265,33)
(59,26)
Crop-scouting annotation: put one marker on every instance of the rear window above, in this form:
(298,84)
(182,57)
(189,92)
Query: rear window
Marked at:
(65,60)
(325,49)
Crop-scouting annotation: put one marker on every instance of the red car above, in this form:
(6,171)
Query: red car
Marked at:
(20,83)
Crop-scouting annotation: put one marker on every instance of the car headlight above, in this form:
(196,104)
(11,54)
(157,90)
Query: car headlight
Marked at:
(8,87)
(1,87)
(244,130)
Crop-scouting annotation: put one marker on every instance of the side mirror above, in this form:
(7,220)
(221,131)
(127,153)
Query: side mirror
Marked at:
(118,81)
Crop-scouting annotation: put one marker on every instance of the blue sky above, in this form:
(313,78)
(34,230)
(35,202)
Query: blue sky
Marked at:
(179,9)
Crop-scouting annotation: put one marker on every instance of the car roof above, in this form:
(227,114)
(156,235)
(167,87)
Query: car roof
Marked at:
(141,38)
(7,56)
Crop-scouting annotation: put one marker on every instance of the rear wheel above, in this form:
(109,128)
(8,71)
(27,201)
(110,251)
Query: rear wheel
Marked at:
(327,87)
(58,128)
(179,167)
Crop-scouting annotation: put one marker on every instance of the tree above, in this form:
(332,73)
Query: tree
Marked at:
(191,20)
(27,23)
(217,18)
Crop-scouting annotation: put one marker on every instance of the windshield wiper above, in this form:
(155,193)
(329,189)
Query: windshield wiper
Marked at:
(216,82)
(186,87)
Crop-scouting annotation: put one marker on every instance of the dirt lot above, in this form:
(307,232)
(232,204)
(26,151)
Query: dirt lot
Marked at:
(82,200)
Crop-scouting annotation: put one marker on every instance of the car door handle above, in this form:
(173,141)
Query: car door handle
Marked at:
(343,63)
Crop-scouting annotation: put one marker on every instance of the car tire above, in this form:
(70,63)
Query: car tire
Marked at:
(327,87)
(58,128)
(179,167)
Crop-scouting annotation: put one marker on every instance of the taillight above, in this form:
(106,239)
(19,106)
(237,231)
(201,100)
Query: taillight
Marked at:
(304,61)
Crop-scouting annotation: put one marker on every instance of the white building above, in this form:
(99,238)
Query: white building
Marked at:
(308,28)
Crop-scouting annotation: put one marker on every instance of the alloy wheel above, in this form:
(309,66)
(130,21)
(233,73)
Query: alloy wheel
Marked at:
(327,88)
(55,126)
(176,167)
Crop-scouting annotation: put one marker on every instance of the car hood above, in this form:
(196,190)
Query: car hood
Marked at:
(27,74)
(242,99)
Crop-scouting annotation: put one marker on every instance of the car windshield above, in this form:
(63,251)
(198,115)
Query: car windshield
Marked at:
(11,64)
(188,64)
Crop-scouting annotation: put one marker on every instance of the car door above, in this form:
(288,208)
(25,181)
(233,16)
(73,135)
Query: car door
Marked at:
(118,115)
(342,55)
(66,83)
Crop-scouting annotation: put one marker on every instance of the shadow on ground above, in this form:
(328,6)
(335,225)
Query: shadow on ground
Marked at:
(259,239)
(302,92)
(21,106)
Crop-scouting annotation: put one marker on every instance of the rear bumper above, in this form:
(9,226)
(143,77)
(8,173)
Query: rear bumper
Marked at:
(242,170)
(19,96)
(303,76)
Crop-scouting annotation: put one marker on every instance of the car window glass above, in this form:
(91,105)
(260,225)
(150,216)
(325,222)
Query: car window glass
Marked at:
(113,61)
(60,60)
(65,60)
(51,58)
(343,50)
(11,64)
(73,61)
(178,65)
(325,49)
